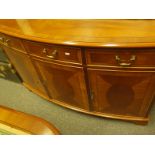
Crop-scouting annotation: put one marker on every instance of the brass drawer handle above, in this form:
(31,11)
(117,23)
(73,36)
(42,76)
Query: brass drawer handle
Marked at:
(52,55)
(125,63)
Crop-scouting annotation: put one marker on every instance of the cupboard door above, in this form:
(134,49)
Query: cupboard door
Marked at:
(65,83)
(25,69)
(122,93)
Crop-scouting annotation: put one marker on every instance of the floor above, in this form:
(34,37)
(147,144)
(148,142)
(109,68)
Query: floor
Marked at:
(69,122)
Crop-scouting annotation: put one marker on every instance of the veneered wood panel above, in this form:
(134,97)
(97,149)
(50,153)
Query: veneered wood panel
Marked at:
(53,52)
(64,83)
(25,69)
(124,93)
(107,57)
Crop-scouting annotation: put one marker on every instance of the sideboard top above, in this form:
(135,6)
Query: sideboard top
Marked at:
(93,33)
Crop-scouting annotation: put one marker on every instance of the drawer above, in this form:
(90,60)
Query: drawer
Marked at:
(53,52)
(11,42)
(121,57)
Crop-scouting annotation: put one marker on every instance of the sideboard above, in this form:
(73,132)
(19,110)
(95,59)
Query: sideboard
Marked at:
(100,67)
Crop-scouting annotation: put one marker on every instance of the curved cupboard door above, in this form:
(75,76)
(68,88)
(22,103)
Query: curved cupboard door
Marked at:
(122,93)
(65,83)
(25,68)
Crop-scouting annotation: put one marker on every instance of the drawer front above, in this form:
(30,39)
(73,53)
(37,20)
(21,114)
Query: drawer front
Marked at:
(52,52)
(121,57)
(11,42)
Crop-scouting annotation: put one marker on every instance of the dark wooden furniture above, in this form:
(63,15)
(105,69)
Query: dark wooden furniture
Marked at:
(100,67)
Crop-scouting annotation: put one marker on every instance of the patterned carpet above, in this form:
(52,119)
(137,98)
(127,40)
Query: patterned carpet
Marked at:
(69,122)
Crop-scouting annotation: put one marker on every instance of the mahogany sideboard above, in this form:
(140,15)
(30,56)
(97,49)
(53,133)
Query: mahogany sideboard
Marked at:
(100,67)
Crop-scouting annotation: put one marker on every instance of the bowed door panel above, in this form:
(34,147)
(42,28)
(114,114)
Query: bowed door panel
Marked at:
(122,93)
(65,83)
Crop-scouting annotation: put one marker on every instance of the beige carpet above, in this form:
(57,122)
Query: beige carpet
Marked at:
(16,96)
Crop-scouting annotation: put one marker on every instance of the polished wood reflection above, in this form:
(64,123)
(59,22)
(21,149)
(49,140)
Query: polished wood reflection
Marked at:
(103,33)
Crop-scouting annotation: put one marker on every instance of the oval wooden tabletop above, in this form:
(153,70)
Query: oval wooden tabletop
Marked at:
(94,33)
(25,123)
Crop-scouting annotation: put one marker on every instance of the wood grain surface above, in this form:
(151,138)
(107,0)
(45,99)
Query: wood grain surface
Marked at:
(110,71)
(26,122)
(94,33)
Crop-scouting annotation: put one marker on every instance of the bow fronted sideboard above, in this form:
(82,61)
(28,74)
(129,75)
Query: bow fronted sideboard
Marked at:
(100,67)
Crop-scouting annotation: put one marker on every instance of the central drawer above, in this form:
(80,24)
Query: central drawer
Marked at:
(53,52)
(136,57)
